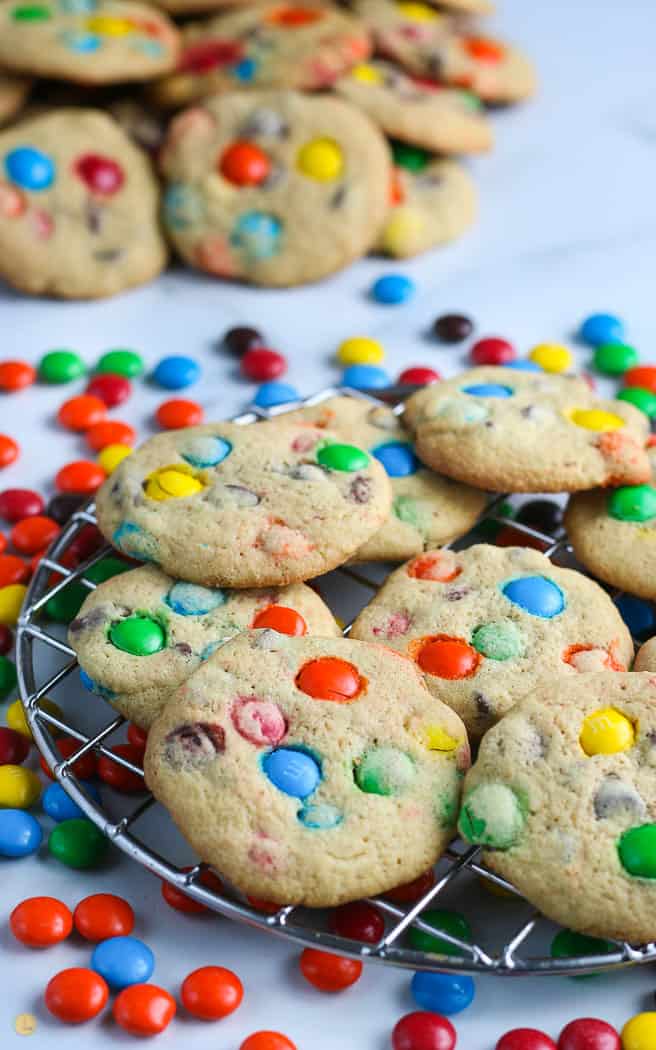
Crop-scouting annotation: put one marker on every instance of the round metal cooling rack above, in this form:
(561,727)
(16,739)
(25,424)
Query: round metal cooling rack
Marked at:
(512,936)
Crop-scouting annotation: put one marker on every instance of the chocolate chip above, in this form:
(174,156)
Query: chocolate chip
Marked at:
(615,798)
(360,490)
(456,593)
(94,618)
(198,742)
(483,705)
(339,197)
(62,507)
(183,648)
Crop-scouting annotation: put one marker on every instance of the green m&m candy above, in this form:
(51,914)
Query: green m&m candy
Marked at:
(342,457)
(31,13)
(615,358)
(384,771)
(567,944)
(138,635)
(492,815)
(501,640)
(65,605)
(126,363)
(7,677)
(412,158)
(643,399)
(61,366)
(632,503)
(451,922)
(77,843)
(637,851)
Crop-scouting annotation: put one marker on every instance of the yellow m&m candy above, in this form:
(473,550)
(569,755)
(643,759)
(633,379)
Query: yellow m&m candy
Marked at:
(360,350)
(11,600)
(175,482)
(109,25)
(606,732)
(16,716)
(112,455)
(418,12)
(551,357)
(595,419)
(320,159)
(438,740)
(367,74)
(19,787)
(640,1032)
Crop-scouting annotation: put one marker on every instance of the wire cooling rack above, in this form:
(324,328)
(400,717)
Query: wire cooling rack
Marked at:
(510,936)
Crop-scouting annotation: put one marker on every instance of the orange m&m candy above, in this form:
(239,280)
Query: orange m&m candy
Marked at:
(110,432)
(447,657)
(280,618)
(483,49)
(8,450)
(79,476)
(643,376)
(13,570)
(15,375)
(330,678)
(440,566)
(267,1041)
(103,915)
(33,534)
(40,922)
(211,992)
(179,412)
(80,413)
(76,995)
(144,1009)
(245,164)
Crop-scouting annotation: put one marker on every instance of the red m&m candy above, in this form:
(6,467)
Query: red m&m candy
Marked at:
(137,737)
(423,1030)
(80,413)
(329,678)
(419,376)
(260,364)
(179,412)
(492,351)
(34,534)
(6,638)
(84,767)
(328,972)
(117,776)
(525,1039)
(245,164)
(40,922)
(110,388)
(20,503)
(588,1033)
(110,432)
(280,618)
(412,891)
(13,570)
(446,657)
(359,921)
(102,175)
(175,898)
(14,747)
(15,375)
(79,476)
(8,450)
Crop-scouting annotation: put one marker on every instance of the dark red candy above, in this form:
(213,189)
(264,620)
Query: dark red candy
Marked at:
(62,507)
(424,1031)
(14,747)
(137,737)
(87,541)
(492,351)
(6,639)
(16,504)
(239,340)
(588,1033)
(453,328)
(419,375)
(360,921)
(118,777)
(262,364)
(102,175)
(206,55)
(84,768)
(110,388)
(525,1039)
(543,515)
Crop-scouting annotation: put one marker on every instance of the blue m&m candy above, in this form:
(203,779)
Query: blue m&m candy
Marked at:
(523,365)
(442,993)
(397,457)
(536,595)
(638,615)
(393,289)
(602,328)
(273,393)
(123,961)
(488,390)
(177,372)
(30,169)
(190,599)
(57,804)
(365,377)
(205,451)
(20,833)
(293,772)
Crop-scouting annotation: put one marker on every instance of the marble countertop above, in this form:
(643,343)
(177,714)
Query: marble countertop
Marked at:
(568,226)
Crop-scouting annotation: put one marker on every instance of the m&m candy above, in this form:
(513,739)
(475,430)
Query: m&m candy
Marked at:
(176,372)
(409,892)
(261,364)
(442,993)
(423,1031)
(589,1033)
(211,992)
(40,922)
(80,476)
(7,676)
(359,921)
(109,432)
(450,922)
(103,915)
(111,455)
(642,398)
(492,351)
(61,366)
(393,289)
(180,901)
(453,328)
(6,637)
(266,1040)
(525,1039)
(16,375)
(601,328)
(177,413)
(34,534)
(639,1033)
(110,388)
(360,350)
(77,843)
(76,995)
(126,363)
(614,358)
(118,776)
(11,601)
(84,767)
(20,833)
(62,507)
(328,972)
(16,504)
(9,450)
(551,357)
(19,787)
(271,394)
(80,413)
(144,1009)
(242,338)
(643,376)
(14,747)
(365,377)
(60,806)
(418,376)
(123,961)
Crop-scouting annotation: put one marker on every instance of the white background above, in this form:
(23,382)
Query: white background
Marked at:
(568,226)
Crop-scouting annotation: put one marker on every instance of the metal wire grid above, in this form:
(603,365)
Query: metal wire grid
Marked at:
(292,922)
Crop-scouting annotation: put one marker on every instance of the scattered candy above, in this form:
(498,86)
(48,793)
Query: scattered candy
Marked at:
(180,901)
(14,747)
(8,451)
(34,534)
(453,328)
(267,1041)
(365,377)
(111,388)
(448,921)
(84,768)
(103,915)
(59,806)
(61,366)
(20,788)
(177,413)
(76,995)
(80,413)
(6,637)
(241,339)
(40,922)
(327,972)
(412,891)
(20,503)
(588,1033)
(79,476)
(360,350)
(144,1009)
(614,358)
(393,289)
(643,376)
(424,1031)
(117,776)
(261,364)
(20,833)
(11,601)
(601,328)
(176,372)
(16,715)
(551,357)
(643,399)
(16,375)
(418,376)
(273,393)
(110,432)
(61,508)
(639,1033)
(125,363)
(123,961)
(211,992)
(8,677)
(492,351)
(525,1039)
(359,921)
(568,944)
(77,843)
(110,457)
(543,515)
(442,993)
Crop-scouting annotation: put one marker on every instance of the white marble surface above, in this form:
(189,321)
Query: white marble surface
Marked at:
(568,226)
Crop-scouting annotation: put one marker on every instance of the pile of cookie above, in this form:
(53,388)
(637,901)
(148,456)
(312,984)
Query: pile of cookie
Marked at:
(312,768)
(292,153)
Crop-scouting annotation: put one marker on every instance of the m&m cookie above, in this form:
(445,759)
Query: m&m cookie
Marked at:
(233,506)
(78,207)
(309,770)
(140,635)
(562,797)
(515,431)
(646,656)
(13,95)
(486,624)
(432,201)
(435,118)
(87,41)
(427,510)
(429,43)
(277,188)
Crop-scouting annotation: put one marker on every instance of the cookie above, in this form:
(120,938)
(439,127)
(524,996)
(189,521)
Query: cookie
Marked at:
(309,770)
(429,44)
(13,95)
(275,188)
(488,623)
(614,535)
(140,635)
(244,506)
(563,798)
(264,45)
(515,431)
(87,41)
(434,202)
(78,207)
(181,8)
(646,656)
(438,119)
(427,509)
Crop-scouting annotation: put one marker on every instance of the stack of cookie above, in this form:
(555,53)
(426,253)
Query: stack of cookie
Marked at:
(300,154)
(309,768)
